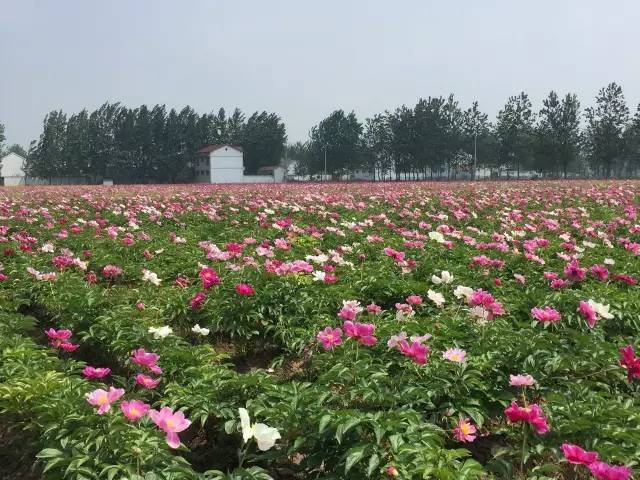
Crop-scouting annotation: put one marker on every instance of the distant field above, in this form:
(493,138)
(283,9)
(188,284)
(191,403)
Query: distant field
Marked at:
(370,330)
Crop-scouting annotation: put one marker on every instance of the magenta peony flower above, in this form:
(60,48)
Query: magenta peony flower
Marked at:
(209,277)
(171,423)
(600,272)
(196,301)
(134,410)
(363,332)
(58,336)
(545,314)
(588,313)
(103,399)
(330,337)
(245,289)
(630,362)
(416,351)
(94,373)
(604,471)
(574,272)
(576,455)
(465,431)
(531,414)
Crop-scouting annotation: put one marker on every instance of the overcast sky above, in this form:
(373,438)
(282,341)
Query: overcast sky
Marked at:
(304,59)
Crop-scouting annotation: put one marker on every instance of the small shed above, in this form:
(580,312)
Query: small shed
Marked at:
(276,171)
(12,170)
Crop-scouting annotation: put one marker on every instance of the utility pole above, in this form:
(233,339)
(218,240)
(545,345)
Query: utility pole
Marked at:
(325,163)
(475,154)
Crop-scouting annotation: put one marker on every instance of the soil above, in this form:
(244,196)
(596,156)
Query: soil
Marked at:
(17,453)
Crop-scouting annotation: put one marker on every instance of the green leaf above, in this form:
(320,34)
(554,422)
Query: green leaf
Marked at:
(374,461)
(354,455)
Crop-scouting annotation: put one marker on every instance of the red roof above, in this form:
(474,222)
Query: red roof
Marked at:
(212,147)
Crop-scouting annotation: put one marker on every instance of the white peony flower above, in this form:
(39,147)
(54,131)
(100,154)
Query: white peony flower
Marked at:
(436,298)
(445,277)
(609,261)
(319,276)
(160,332)
(151,277)
(437,236)
(463,292)
(265,436)
(199,330)
(600,309)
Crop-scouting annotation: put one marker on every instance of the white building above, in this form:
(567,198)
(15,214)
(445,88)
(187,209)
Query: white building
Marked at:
(12,170)
(225,164)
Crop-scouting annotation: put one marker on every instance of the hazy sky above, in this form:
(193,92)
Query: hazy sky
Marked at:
(304,59)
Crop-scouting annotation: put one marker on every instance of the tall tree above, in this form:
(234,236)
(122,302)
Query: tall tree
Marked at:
(605,127)
(632,143)
(2,137)
(558,133)
(376,145)
(299,155)
(337,137)
(18,149)
(264,138)
(47,158)
(514,131)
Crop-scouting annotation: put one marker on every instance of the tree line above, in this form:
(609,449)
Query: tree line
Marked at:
(438,138)
(148,145)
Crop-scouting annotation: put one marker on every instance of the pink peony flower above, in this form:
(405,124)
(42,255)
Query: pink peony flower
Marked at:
(58,337)
(521,380)
(604,471)
(111,271)
(454,355)
(576,455)
(373,308)
(245,289)
(171,423)
(465,431)
(363,332)
(146,359)
(94,373)
(531,414)
(330,337)
(145,381)
(69,347)
(545,314)
(559,283)
(392,471)
(416,351)
(414,300)
(588,313)
(103,399)
(134,410)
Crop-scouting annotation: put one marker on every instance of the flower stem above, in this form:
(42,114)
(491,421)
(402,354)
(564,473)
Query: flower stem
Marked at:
(524,447)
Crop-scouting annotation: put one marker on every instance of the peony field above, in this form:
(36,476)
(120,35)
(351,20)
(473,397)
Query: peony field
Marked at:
(409,330)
